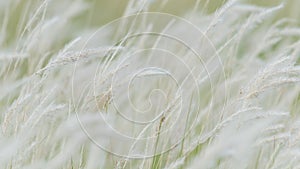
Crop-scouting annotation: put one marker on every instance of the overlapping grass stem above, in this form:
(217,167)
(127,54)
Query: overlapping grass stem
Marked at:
(207,84)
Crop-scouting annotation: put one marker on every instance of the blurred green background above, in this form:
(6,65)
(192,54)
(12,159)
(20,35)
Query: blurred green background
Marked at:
(104,11)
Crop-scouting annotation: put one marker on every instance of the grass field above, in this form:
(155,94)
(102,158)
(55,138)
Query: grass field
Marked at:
(149,84)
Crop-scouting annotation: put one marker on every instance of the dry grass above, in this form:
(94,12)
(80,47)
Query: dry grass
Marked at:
(215,87)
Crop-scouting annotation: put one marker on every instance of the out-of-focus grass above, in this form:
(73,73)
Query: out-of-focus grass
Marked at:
(38,122)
